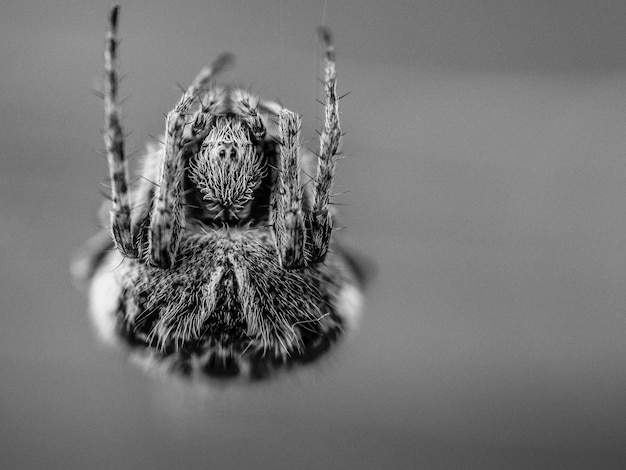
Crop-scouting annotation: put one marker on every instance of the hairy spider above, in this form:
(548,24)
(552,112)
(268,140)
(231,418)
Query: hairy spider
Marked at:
(222,263)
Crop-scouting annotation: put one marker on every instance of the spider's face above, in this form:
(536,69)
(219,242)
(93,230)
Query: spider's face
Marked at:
(228,169)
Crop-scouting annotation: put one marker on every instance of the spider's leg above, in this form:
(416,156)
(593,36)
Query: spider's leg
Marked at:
(319,221)
(270,107)
(287,214)
(167,214)
(114,143)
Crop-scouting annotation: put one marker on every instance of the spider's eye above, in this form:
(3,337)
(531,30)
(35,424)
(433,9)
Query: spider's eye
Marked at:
(222,153)
(233,154)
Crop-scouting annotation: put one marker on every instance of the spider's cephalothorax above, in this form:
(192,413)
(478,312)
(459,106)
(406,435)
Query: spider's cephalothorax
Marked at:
(228,168)
(222,264)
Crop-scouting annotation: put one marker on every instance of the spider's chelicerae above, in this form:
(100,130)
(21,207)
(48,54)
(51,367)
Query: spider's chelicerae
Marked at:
(224,262)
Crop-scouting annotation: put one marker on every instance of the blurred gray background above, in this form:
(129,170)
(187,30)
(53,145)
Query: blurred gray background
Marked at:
(487,179)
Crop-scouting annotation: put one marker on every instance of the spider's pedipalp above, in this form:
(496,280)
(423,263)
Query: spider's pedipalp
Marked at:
(114,143)
(246,106)
(167,215)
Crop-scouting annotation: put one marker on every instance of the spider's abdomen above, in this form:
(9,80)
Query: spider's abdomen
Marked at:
(227,306)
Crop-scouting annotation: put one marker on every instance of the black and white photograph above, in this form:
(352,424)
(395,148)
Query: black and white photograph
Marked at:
(328,234)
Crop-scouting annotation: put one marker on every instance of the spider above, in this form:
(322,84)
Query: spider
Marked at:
(221,264)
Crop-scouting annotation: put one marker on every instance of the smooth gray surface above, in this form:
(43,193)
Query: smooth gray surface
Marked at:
(487,173)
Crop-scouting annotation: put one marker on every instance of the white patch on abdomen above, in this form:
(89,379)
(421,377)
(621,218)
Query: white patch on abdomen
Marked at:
(104,294)
(349,304)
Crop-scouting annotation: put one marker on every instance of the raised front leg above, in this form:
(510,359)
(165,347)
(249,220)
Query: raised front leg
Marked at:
(167,214)
(319,221)
(121,225)
(287,216)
